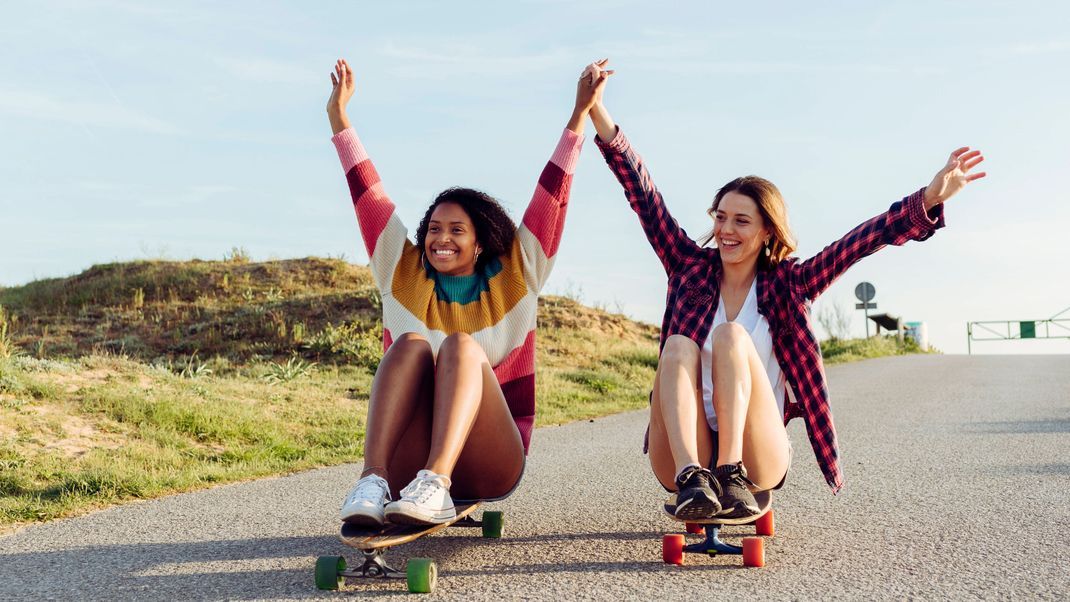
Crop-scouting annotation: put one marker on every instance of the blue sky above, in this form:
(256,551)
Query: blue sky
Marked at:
(142,130)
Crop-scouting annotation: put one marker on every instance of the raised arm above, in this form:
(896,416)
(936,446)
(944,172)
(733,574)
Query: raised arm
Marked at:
(916,217)
(384,235)
(544,219)
(670,242)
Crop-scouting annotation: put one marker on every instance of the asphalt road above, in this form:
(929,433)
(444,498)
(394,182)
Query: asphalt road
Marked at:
(958,486)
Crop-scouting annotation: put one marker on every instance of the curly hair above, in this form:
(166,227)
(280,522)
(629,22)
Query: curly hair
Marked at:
(495,230)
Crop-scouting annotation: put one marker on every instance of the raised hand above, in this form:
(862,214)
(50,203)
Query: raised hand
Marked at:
(954,176)
(592,83)
(603,123)
(588,93)
(342,90)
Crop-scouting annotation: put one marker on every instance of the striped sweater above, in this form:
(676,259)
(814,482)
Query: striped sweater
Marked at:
(500,312)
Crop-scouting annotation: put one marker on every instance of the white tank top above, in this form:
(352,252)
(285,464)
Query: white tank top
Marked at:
(758,327)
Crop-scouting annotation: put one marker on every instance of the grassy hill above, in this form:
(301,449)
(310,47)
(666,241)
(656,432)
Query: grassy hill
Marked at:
(134,380)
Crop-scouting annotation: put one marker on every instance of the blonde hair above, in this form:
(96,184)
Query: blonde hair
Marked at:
(774,214)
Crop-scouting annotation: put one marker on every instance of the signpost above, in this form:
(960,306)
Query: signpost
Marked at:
(865,293)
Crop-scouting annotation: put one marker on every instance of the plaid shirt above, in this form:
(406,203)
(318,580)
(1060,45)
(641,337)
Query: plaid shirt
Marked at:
(784,292)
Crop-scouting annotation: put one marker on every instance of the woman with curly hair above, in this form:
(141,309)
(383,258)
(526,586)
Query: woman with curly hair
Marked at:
(453,400)
(737,333)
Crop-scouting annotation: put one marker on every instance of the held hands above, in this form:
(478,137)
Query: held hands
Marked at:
(343,87)
(592,83)
(588,94)
(954,176)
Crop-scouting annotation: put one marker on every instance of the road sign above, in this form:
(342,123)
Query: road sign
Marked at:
(865,292)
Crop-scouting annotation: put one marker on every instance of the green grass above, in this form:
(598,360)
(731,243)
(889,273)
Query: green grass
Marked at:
(137,380)
(113,429)
(839,351)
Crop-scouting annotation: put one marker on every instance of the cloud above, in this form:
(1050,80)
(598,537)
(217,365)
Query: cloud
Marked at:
(690,67)
(450,60)
(125,194)
(110,115)
(1031,48)
(269,71)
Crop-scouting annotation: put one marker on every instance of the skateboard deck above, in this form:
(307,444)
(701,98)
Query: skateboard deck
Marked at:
(764,499)
(365,538)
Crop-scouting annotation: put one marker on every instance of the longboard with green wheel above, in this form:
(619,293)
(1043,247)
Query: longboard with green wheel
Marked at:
(420,573)
(674,545)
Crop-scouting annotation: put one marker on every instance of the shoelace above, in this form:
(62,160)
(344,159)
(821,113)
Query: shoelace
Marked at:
(421,489)
(369,489)
(705,475)
(739,475)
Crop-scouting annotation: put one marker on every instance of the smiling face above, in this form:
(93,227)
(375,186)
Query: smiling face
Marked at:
(451,246)
(739,230)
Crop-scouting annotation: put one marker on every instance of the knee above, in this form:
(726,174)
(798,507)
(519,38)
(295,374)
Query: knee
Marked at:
(461,346)
(679,349)
(411,345)
(729,336)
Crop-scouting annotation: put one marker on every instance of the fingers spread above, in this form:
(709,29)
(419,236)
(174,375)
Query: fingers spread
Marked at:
(958,151)
(968,165)
(975,176)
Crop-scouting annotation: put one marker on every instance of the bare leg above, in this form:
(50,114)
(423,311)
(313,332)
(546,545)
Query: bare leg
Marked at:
(679,434)
(401,388)
(750,428)
(472,427)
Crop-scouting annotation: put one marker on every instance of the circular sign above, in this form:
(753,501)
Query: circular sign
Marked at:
(865,292)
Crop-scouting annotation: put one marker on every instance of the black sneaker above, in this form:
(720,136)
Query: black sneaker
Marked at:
(736,500)
(698,493)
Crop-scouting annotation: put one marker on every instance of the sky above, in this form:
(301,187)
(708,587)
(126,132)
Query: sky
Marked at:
(145,130)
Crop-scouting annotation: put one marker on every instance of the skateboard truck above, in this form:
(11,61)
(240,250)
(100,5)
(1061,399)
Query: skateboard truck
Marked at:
(713,545)
(674,545)
(374,566)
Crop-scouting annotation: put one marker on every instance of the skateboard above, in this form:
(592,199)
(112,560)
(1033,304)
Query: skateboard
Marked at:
(673,546)
(421,574)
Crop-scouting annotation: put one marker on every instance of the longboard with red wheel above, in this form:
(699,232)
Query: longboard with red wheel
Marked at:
(421,574)
(674,545)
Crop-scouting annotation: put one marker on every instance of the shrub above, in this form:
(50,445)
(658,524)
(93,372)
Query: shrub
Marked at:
(281,373)
(349,343)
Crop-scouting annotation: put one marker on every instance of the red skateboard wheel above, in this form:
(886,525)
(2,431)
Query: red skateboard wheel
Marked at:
(695,528)
(765,525)
(672,549)
(753,552)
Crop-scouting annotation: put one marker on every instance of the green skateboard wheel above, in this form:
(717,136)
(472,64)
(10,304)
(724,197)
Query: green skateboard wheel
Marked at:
(421,575)
(327,572)
(493,524)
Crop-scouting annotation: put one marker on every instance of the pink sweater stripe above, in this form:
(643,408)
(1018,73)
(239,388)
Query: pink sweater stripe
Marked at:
(565,155)
(519,361)
(545,215)
(350,150)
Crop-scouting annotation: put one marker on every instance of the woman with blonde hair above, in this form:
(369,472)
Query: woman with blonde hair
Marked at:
(737,333)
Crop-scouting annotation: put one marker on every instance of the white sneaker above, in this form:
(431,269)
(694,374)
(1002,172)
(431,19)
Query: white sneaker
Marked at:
(364,504)
(424,501)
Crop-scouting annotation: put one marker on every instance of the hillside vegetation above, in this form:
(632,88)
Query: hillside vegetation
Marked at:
(134,380)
